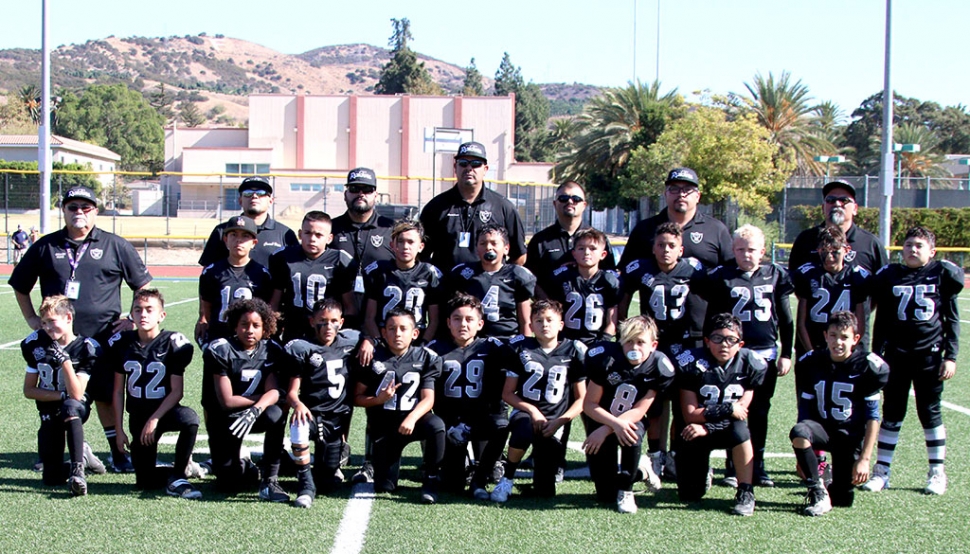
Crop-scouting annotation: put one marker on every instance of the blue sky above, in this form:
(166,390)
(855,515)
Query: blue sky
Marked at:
(834,47)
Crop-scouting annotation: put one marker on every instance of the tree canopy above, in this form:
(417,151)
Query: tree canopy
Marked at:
(531,112)
(404,74)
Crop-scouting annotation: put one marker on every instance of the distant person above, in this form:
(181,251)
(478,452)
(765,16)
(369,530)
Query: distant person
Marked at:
(454,219)
(255,199)
(34,234)
(20,243)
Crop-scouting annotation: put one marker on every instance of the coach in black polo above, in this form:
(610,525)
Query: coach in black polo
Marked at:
(552,247)
(255,198)
(87,265)
(453,219)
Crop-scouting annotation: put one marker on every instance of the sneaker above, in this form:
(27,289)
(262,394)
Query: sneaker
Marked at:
(77,483)
(935,480)
(498,471)
(38,466)
(206,466)
(480,494)
(625,502)
(730,481)
(743,502)
(670,467)
(560,475)
(195,470)
(429,491)
(91,462)
(710,480)
(730,475)
(344,453)
(761,478)
(271,491)
(825,472)
(879,480)
(307,490)
(818,501)
(180,488)
(365,474)
(502,490)
(122,466)
(651,466)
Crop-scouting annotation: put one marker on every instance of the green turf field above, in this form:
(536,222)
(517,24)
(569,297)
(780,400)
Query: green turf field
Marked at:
(116,518)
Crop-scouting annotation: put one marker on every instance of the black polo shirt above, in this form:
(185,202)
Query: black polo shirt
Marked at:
(705,239)
(105,263)
(366,242)
(867,250)
(272,236)
(447,215)
(551,247)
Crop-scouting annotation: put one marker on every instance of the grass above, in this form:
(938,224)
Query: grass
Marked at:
(116,518)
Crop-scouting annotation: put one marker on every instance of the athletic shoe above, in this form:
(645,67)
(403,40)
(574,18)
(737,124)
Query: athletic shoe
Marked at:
(480,494)
(730,475)
(625,502)
(344,453)
(206,466)
(77,483)
(429,491)
(730,481)
(651,466)
(935,480)
(91,462)
(181,488)
(560,475)
(365,474)
(502,490)
(498,471)
(710,480)
(338,477)
(307,489)
(879,480)
(818,501)
(743,502)
(38,466)
(825,472)
(195,470)
(271,491)
(670,467)
(122,466)
(761,478)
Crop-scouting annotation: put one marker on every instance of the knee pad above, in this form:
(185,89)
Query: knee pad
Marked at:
(72,408)
(299,433)
(800,431)
(520,433)
(739,432)
(273,413)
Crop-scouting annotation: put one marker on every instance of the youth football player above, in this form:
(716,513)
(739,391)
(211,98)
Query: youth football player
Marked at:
(917,331)
(397,388)
(149,365)
(319,398)
(624,380)
(838,411)
(717,386)
(240,394)
(230,279)
(545,387)
(58,368)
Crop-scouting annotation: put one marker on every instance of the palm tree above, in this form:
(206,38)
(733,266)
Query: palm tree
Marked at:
(30,99)
(785,109)
(925,163)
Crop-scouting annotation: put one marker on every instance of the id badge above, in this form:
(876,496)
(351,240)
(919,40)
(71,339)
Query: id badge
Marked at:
(359,284)
(72,290)
(464,239)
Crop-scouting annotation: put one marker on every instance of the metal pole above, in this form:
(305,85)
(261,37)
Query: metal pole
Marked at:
(927,192)
(657,78)
(44,128)
(886,164)
(634,42)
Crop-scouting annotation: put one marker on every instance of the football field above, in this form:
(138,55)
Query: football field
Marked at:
(114,517)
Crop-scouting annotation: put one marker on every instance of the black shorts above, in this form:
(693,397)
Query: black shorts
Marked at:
(101,385)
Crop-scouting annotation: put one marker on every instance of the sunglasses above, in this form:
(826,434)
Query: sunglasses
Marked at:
(566,198)
(474,163)
(832,253)
(682,191)
(358,189)
(718,339)
(79,208)
(254,194)
(842,199)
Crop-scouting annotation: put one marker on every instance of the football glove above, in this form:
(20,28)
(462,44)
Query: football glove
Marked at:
(57,354)
(459,434)
(244,423)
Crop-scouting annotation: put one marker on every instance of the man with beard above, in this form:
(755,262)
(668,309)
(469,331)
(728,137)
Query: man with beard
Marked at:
(255,199)
(839,208)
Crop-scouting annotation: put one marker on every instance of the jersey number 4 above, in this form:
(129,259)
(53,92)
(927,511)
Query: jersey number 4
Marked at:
(841,305)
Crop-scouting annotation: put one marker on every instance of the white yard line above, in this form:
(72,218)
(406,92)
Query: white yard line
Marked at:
(353,525)
(950,405)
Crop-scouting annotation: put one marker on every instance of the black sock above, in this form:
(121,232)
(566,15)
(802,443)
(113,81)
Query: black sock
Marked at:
(510,469)
(808,461)
(75,440)
(653,445)
(110,433)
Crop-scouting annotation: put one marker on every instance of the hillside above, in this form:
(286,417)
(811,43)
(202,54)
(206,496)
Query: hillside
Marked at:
(217,70)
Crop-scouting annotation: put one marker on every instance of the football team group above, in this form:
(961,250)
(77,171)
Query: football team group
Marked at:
(450,331)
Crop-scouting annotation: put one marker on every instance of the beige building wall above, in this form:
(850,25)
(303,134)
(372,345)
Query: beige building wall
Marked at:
(326,131)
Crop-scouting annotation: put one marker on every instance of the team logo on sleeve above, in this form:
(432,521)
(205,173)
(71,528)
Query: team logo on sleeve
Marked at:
(97,253)
(485,216)
(316,359)
(38,353)
(613,378)
(696,238)
(702,365)
(378,367)
(467,273)
(595,351)
(850,255)
(377,240)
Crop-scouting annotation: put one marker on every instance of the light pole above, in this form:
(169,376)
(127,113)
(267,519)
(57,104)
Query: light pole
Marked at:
(901,148)
(829,160)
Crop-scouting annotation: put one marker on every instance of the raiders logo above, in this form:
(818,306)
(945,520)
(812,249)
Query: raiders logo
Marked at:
(377,240)
(696,238)
(814,284)
(38,353)
(378,367)
(613,378)
(676,349)
(485,216)
(850,255)
(316,359)
(467,273)
(97,253)
(702,365)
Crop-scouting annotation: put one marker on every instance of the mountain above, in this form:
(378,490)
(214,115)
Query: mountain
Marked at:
(216,71)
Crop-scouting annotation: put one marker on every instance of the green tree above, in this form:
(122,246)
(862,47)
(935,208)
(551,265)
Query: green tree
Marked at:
(403,74)
(163,101)
(14,120)
(190,115)
(473,81)
(30,100)
(117,118)
(531,111)
(508,78)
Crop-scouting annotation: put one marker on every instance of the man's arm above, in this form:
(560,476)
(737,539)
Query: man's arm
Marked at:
(27,309)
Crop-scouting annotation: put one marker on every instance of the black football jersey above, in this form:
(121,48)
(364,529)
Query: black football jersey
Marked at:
(83,352)
(148,370)
(247,371)
(758,299)
(700,373)
(546,380)
(836,394)
(416,370)
(220,284)
(471,378)
(324,372)
(917,308)
(664,296)
(499,292)
(625,384)
(584,301)
(414,289)
(826,293)
(304,281)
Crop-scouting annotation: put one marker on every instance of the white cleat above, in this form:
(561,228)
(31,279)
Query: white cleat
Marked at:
(880,479)
(626,503)
(935,481)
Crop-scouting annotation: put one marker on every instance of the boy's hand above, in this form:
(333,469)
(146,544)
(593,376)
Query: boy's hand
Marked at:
(551,426)
(407,426)
(123,324)
(784,366)
(121,440)
(947,370)
(148,432)
(625,431)
(595,440)
(200,329)
(366,352)
(301,414)
(57,354)
(538,422)
(739,412)
(387,392)
(860,471)
(694,431)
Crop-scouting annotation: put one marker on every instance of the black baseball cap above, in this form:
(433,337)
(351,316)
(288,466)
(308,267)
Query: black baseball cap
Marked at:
(362,176)
(79,192)
(256,182)
(472,150)
(684,174)
(837,185)
(241,223)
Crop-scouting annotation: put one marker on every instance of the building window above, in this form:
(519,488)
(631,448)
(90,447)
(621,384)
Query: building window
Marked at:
(262,169)
(306,187)
(232,168)
(248,169)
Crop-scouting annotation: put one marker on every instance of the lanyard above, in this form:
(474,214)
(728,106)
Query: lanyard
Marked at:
(71,260)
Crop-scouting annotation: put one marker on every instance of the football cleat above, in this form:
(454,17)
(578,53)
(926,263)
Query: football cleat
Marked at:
(560,475)
(365,474)
(730,481)
(818,501)
(180,488)
(480,494)
(195,470)
(303,501)
(344,453)
(429,491)
(670,467)
(879,480)
(271,491)
(935,480)
(743,502)
(710,480)
(307,489)
(625,502)
(77,483)
(122,466)
(761,478)
(651,466)
(38,466)
(502,490)
(825,472)
(91,462)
